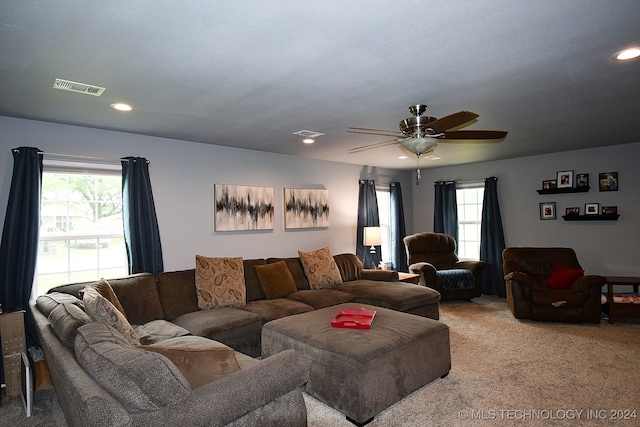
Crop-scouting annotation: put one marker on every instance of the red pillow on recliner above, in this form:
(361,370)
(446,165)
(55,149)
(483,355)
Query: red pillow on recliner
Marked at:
(563,277)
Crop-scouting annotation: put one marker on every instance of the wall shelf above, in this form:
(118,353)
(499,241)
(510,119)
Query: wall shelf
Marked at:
(564,190)
(590,217)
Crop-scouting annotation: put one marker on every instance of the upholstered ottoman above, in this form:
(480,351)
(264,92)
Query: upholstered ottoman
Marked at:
(362,372)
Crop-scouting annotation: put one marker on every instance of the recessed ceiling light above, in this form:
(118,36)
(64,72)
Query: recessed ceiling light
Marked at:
(403,157)
(308,140)
(627,54)
(122,107)
(433,158)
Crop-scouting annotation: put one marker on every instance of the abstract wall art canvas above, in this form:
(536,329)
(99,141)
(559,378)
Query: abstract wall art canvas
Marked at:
(306,208)
(240,207)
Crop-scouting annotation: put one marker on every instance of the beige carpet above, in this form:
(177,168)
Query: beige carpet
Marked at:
(505,372)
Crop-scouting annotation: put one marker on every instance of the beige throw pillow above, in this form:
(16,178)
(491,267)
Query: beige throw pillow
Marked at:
(320,268)
(220,282)
(101,310)
(105,289)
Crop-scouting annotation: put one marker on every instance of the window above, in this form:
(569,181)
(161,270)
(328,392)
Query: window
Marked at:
(469,199)
(81,229)
(384,213)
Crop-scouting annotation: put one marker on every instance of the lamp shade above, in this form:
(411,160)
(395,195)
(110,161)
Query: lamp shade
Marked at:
(372,236)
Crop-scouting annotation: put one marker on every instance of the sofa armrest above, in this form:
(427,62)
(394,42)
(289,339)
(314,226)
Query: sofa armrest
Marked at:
(472,266)
(590,283)
(380,275)
(232,396)
(518,276)
(427,271)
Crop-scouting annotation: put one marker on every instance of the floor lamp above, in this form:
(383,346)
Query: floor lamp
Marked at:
(373,238)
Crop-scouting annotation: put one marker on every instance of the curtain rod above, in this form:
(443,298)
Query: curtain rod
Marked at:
(77,156)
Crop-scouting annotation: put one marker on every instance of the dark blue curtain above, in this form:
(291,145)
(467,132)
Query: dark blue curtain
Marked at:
(367,217)
(445,209)
(19,248)
(141,232)
(492,240)
(398,250)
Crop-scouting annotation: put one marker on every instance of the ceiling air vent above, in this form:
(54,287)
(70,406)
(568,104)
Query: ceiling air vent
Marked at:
(308,133)
(78,87)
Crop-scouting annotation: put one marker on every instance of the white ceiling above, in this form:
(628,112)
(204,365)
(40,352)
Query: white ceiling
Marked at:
(249,74)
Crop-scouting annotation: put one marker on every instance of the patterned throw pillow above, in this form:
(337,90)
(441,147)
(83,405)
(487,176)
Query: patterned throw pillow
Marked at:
(105,289)
(101,310)
(220,282)
(320,268)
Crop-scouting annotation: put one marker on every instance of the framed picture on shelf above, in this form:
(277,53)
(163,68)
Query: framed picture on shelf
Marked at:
(572,211)
(608,181)
(549,184)
(582,180)
(565,179)
(591,208)
(548,210)
(609,210)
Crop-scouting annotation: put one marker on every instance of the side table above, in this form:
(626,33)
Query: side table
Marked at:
(409,278)
(622,309)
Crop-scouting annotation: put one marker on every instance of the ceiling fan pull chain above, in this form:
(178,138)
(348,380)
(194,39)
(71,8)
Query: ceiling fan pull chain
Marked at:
(418,171)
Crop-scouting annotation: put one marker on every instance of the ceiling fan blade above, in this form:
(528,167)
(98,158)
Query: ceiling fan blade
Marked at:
(371,146)
(474,134)
(371,131)
(452,120)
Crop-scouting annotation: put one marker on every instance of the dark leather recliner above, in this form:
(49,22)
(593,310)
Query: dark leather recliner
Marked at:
(527,271)
(429,253)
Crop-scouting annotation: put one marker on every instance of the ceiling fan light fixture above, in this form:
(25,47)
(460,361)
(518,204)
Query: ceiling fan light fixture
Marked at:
(419,146)
(627,54)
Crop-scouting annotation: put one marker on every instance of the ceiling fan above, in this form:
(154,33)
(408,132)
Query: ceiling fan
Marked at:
(420,134)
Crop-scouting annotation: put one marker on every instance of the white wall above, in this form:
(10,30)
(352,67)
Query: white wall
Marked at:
(183,174)
(605,247)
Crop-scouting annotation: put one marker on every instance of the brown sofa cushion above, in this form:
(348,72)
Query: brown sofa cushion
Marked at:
(200,360)
(251,282)
(177,292)
(141,380)
(320,268)
(276,279)
(350,267)
(46,303)
(320,298)
(101,310)
(65,320)
(220,282)
(158,330)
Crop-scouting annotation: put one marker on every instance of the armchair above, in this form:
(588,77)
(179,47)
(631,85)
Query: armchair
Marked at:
(433,256)
(532,295)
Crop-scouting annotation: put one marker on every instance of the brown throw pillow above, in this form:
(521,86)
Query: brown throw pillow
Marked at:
(276,279)
(101,310)
(199,364)
(220,282)
(320,268)
(105,289)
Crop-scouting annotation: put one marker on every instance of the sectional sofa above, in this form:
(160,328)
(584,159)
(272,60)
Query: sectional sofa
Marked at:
(165,311)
